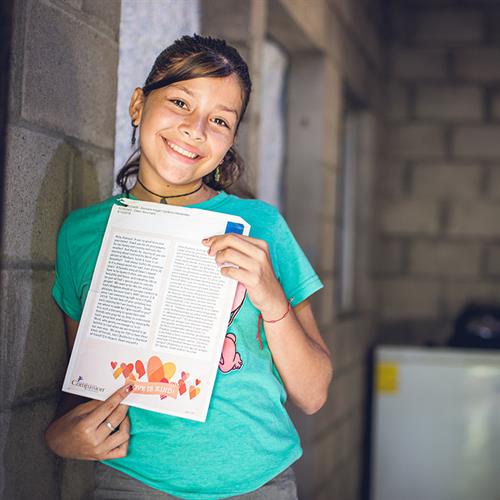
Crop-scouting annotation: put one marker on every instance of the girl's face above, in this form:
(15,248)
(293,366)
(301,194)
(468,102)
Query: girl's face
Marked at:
(186,129)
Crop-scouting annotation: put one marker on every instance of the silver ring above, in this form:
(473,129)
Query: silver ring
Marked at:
(112,428)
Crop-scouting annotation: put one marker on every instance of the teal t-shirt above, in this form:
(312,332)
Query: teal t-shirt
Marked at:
(248,437)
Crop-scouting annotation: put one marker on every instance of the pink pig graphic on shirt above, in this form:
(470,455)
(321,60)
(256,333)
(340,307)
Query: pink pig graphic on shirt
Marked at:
(230,359)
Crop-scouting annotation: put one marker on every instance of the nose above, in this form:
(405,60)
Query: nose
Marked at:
(193,127)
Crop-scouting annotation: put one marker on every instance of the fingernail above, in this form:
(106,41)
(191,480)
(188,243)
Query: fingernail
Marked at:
(130,388)
(206,240)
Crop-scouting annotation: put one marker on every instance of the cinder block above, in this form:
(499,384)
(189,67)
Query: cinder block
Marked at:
(76,4)
(416,141)
(403,24)
(93,178)
(396,101)
(493,261)
(493,188)
(458,293)
(447,102)
(438,258)
(390,180)
(356,376)
(387,256)
(242,146)
(417,63)
(334,96)
(327,301)
(492,23)
(323,453)
(108,11)
(30,469)
(329,192)
(408,298)
(333,489)
(340,390)
(350,342)
(450,27)
(34,357)
(344,448)
(479,64)
(37,169)
(220,18)
(409,217)
(446,181)
(69,76)
(482,142)
(328,250)
(322,420)
(474,219)
(495,106)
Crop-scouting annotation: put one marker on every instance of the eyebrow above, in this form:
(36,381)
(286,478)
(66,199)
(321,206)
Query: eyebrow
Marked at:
(220,106)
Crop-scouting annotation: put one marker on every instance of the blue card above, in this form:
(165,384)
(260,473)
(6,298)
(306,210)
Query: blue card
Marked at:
(234,227)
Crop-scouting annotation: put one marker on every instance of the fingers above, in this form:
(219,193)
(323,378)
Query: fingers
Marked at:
(113,441)
(125,425)
(106,408)
(119,452)
(231,256)
(245,244)
(247,278)
(115,420)
(116,445)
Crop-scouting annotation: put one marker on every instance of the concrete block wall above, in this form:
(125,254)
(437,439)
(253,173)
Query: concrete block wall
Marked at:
(437,183)
(59,157)
(331,45)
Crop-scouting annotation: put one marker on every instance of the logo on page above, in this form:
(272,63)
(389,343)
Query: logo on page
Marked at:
(79,382)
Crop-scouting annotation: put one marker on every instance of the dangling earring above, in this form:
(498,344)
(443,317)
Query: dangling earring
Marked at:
(217,174)
(134,128)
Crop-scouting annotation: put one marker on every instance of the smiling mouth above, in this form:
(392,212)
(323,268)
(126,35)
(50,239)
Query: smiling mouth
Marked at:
(180,150)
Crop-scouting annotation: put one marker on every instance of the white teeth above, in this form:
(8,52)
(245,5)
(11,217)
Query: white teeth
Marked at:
(183,152)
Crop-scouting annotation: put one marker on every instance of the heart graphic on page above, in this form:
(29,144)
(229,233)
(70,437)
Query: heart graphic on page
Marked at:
(113,364)
(118,372)
(193,391)
(127,369)
(169,370)
(184,376)
(155,369)
(139,368)
(182,386)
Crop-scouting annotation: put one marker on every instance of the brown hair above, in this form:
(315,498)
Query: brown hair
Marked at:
(197,57)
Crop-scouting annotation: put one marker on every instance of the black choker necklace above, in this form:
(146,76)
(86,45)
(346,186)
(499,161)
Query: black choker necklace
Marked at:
(163,199)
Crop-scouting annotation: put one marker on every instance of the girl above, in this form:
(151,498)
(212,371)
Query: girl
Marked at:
(188,113)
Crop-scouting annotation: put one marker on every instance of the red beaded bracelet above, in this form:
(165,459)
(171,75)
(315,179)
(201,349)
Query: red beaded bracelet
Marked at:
(270,321)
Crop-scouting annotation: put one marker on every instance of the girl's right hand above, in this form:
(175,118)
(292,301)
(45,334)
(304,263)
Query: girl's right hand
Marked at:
(84,434)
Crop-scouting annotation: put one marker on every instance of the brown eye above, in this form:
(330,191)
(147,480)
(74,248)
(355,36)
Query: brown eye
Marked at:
(179,103)
(221,122)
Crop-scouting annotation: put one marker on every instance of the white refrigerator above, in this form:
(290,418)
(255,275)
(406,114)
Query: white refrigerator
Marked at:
(436,424)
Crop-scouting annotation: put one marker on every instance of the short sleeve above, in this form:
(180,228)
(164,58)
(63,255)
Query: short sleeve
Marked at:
(64,290)
(295,273)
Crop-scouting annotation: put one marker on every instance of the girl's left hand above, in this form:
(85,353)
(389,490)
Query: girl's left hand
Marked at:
(255,270)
